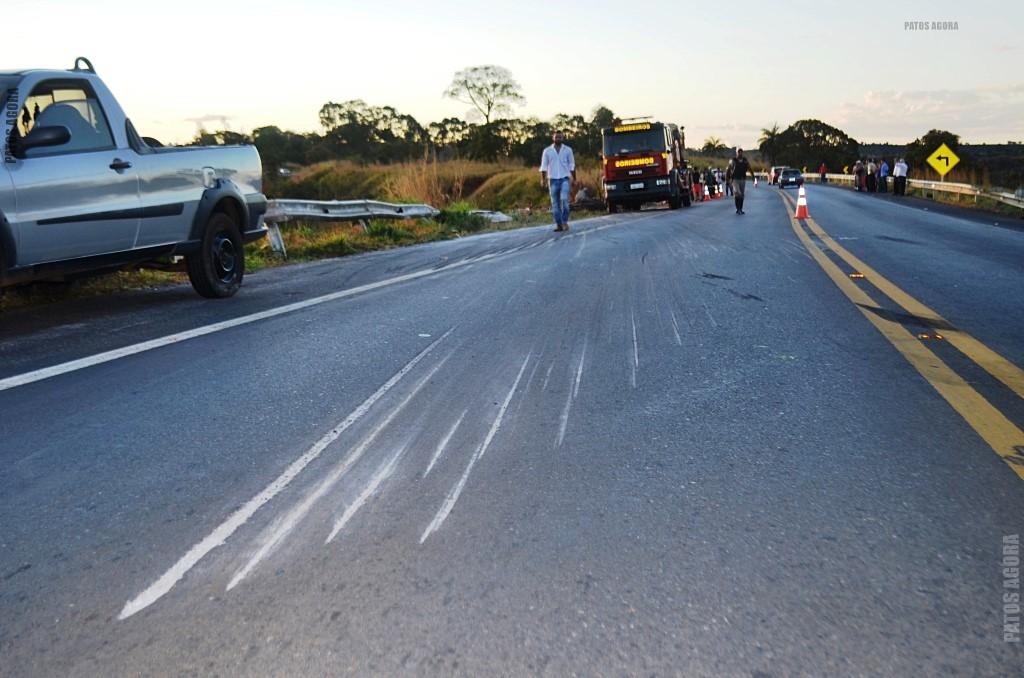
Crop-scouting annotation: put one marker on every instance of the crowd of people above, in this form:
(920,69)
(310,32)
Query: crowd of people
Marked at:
(872,176)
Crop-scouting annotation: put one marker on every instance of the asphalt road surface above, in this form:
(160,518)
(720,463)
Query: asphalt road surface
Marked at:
(666,443)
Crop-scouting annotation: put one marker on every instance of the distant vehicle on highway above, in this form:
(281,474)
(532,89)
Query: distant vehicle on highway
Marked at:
(643,162)
(774,172)
(81,191)
(791,177)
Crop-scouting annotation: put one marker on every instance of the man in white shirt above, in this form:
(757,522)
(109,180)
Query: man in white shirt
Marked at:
(557,174)
(899,178)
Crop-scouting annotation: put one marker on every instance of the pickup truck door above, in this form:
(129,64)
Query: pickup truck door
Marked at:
(78,199)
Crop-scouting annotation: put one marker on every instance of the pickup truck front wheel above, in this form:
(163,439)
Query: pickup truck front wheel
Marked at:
(216,269)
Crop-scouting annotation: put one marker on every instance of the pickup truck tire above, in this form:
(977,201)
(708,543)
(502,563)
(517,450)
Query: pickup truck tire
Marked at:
(216,269)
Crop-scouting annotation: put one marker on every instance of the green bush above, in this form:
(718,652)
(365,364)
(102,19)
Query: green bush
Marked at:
(457,217)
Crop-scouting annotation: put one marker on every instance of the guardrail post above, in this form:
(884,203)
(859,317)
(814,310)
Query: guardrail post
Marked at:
(365,224)
(276,241)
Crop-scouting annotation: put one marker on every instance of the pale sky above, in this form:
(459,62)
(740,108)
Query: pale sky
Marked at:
(727,69)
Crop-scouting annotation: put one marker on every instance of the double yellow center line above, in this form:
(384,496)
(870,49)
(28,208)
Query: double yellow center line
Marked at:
(1002,435)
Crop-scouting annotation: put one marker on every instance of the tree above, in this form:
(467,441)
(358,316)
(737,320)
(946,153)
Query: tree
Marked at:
(490,90)
(713,146)
(808,143)
(768,144)
(372,133)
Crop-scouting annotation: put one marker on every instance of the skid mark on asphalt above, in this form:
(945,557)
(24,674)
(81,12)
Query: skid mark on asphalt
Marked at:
(547,377)
(223,532)
(572,394)
(382,474)
(675,327)
(443,444)
(583,243)
(456,491)
(636,351)
(278,532)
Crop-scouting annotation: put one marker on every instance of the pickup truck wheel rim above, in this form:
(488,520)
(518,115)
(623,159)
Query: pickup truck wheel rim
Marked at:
(224,258)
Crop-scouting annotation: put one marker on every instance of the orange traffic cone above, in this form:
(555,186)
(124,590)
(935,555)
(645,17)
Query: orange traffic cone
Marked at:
(707,193)
(801,205)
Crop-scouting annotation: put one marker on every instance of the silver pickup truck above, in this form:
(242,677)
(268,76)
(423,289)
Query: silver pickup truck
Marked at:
(81,191)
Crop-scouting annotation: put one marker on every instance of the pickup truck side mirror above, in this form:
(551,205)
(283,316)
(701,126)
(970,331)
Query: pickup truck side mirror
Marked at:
(43,136)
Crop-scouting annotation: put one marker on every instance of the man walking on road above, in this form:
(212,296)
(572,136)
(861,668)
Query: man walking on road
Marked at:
(737,173)
(558,173)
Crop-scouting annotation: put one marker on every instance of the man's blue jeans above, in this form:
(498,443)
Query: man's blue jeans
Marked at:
(560,200)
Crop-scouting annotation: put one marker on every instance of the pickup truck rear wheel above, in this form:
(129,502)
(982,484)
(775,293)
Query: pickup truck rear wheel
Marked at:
(216,269)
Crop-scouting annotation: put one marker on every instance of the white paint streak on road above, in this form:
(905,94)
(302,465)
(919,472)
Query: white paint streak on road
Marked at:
(547,377)
(223,531)
(583,243)
(382,474)
(563,421)
(636,351)
(573,393)
(444,443)
(579,371)
(675,327)
(453,496)
(708,311)
(160,342)
(281,529)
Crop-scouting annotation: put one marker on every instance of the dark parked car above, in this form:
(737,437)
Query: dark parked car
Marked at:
(791,177)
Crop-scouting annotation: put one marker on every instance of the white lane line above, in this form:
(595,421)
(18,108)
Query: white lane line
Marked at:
(382,474)
(444,442)
(284,527)
(453,496)
(116,354)
(216,538)
(675,327)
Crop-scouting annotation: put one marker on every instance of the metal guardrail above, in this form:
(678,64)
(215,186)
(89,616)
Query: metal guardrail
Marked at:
(937,186)
(281,211)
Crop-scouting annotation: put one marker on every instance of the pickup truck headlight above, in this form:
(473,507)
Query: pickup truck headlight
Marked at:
(661,182)
(611,187)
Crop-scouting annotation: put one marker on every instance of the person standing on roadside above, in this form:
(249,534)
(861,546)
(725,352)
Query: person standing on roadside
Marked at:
(823,171)
(872,178)
(883,177)
(899,178)
(737,173)
(558,174)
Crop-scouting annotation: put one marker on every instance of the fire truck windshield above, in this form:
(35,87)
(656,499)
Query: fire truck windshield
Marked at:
(631,142)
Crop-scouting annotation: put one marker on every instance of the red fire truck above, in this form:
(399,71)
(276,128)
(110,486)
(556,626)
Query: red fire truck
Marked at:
(643,162)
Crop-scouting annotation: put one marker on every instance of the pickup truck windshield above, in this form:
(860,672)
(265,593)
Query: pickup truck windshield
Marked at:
(630,142)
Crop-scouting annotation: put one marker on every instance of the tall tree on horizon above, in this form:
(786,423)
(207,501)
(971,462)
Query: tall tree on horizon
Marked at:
(490,90)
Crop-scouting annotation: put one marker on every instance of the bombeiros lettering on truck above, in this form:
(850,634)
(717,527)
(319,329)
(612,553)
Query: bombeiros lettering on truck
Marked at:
(643,162)
(81,191)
